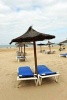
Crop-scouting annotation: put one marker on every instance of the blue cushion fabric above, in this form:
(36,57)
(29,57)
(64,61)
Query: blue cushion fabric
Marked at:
(65,54)
(43,70)
(20,57)
(25,71)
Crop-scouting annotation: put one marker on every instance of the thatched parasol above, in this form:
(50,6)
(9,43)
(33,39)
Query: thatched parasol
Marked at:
(65,41)
(41,44)
(60,44)
(49,44)
(22,44)
(32,36)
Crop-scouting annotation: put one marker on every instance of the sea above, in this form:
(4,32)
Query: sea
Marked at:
(7,46)
(12,46)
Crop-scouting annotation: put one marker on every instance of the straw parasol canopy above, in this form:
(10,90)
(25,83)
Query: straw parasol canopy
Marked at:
(41,44)
(65,41)
(32,35)
(21,44)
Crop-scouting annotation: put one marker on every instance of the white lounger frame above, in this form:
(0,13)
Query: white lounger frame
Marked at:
(40,77)
(35,78)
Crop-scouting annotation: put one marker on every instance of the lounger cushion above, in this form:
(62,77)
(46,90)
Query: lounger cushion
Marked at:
(21,57)
(43,70)
(25,72)
(64,54)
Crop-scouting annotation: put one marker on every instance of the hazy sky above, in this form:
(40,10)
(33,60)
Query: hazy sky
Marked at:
(46,16)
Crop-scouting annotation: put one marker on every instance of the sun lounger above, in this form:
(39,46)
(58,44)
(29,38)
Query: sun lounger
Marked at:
(45,72)
(52,52)
(20,58)
(49,52)
(63,55)
(25,73)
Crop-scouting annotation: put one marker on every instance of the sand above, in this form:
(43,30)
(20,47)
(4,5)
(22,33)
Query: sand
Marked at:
(49,90)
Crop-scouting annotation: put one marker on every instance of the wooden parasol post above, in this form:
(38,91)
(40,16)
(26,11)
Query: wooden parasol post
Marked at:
(35,57)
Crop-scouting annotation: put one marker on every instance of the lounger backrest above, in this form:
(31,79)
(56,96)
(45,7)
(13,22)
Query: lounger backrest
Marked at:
(43,70)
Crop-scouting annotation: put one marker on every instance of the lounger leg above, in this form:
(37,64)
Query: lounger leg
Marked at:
(56,78)
(40,80)
(18,60)
(18,84)
(36,82)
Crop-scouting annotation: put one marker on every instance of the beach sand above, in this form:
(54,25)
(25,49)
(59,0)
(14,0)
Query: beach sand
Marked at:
(49,90)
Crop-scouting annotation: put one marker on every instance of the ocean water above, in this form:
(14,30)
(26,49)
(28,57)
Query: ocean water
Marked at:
(12,46)
(7,46)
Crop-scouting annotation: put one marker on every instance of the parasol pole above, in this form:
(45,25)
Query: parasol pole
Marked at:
(35,57)
(24,51)
(19,48)
(49,47)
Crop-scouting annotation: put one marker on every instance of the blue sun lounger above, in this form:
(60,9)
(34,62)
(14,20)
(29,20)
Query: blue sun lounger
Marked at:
(45,72)
(63,55)
(25,73)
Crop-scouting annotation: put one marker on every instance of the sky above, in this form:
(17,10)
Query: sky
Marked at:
(45,16)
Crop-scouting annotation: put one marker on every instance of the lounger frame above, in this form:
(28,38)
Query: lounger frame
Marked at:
(40,77)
